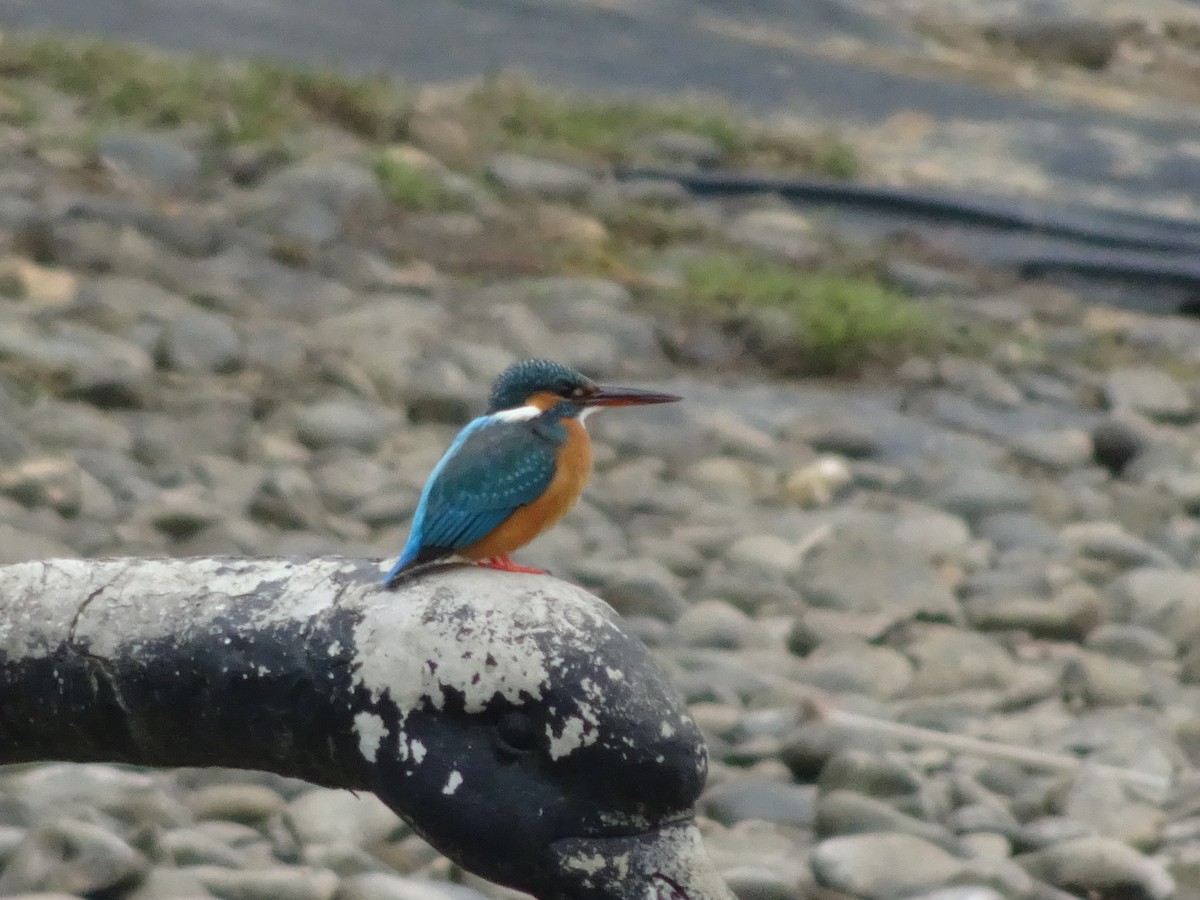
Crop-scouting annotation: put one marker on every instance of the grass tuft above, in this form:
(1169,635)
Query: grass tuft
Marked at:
(412,187)
(819,323)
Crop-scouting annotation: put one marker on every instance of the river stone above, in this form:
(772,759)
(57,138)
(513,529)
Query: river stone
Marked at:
(272,882)
(200,341)
(547,179)
(766,800)
(195,847)
(1115,444)
(847,812)
(389,886)
(162,883)
(158,159)
(248,803)
(73,857)
(947,659)
(869,570)
(882,866)
(325,816)
(338,423)
(1100,865)
(1165,600)
(1149,391)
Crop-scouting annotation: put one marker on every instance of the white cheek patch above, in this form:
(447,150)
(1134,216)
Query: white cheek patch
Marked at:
(520,414)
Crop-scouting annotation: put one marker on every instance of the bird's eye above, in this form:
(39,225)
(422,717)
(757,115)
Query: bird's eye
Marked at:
(516,732)
(578,392)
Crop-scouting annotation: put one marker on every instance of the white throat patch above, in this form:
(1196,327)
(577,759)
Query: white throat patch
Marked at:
(520,414)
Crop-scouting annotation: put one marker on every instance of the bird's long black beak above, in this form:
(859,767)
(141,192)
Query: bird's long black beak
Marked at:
(666,863)
(621,396)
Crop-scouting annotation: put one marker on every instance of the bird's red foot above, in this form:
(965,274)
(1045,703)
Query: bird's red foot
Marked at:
(504,564)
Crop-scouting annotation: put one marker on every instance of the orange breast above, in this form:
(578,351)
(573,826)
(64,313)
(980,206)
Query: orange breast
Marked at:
(574,462)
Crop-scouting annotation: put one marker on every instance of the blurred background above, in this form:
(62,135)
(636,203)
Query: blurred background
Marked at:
(925,271)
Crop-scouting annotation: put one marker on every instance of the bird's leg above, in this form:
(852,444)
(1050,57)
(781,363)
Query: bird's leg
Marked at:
(504,564)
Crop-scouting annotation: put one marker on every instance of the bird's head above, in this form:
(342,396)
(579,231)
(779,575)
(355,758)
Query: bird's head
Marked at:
(543,385)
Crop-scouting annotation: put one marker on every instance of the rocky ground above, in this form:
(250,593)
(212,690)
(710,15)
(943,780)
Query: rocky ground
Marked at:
(979,521)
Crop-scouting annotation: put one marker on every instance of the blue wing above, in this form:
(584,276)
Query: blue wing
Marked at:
(492,468)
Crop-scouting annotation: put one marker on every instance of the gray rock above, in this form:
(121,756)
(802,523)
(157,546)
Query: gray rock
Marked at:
(1149,391)
(268,883)
(753,883)
(869,774)
(763,799)
(1058,450)
(44,481)
(101,369)
(882,866)
(978,493)
(70,856)
(649,594)
(947,659)
(979,381)
(714,623)
(846,812)
(853,666)
(180,513)
(1070,616)
(547,179)
(327,816)
(960,892)
(1098,680)
(1115,444)
(1101,865)
(1110,542)
(162,883)
(194,847)
(869,570)
(780,233)
(1080,40)
(344,187)
(199,341)
(158,159)
(287,498)
(388,886)
(248,803)
(1009,530)
(342,423)
(1165,600)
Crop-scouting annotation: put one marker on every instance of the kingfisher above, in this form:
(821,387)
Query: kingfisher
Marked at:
(514,471)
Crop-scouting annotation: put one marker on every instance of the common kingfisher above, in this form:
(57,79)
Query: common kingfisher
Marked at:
(513,472)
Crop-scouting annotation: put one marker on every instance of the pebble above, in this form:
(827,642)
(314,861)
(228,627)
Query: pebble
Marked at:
(1151,392)
(341,423)
(545,178)
(71,856)
(880,866)
(763,800)
(268,883)
(1101,865)
(157,159)
(200,341)
(325,816)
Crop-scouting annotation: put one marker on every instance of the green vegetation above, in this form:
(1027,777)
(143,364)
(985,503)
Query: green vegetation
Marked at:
(251,101)
(413,187)
(258,101)
(805,322)
(512,114)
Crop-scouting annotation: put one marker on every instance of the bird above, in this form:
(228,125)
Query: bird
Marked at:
(513,472)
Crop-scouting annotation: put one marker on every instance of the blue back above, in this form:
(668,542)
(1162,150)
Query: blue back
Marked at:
(492,468)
